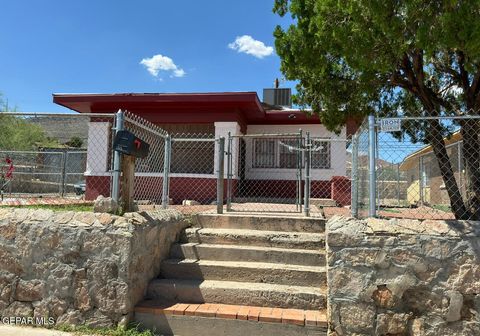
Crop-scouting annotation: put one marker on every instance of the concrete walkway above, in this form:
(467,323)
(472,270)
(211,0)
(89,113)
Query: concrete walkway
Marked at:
(8,330)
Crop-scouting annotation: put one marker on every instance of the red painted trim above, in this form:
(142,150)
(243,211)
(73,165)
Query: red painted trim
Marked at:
(204,190)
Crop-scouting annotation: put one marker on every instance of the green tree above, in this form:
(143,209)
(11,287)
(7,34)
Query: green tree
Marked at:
(19,134)
(75,142)
(412,58)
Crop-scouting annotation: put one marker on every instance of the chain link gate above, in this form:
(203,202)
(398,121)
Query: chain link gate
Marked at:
(268,173)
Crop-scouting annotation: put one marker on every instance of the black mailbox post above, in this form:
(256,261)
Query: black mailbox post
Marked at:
(127,143)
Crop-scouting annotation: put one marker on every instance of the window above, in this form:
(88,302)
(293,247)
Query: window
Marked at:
(321,158)
(284,153)
(288,153)
(264,153)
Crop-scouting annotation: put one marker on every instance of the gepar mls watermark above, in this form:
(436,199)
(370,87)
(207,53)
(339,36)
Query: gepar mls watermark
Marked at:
(40,321)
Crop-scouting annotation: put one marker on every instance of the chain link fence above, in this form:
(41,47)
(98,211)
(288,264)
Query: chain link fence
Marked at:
(149,171)
(265,173)
(54,156)
(424,168)
(71,157)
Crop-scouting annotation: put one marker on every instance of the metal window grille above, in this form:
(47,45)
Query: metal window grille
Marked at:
(264,153)
(321,158)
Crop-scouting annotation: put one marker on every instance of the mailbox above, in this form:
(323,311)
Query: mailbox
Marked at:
(127,143)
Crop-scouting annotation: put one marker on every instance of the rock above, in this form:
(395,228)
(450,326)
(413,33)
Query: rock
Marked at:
(383,297)
(41,309)
(29,290)
(416,327)
(392,324)
(9,263)
(64,217)
(455,306)
(86,218)
(8,231)
(190,202)
(98,320)
(7,284)
(72,317)
(58,307)
(105,204)
(82,300)
(105,218)
(125,320)
(357,317)
(20,309)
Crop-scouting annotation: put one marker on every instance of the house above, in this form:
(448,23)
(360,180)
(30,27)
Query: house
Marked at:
(425,182)
(258,161)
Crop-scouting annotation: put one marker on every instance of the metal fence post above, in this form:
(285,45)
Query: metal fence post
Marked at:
(64,173)
(372,212)
(354,176)
(166,172)
(117,157)
(220,172)
(229,172)
(398,184)
(308,149)
(299,172)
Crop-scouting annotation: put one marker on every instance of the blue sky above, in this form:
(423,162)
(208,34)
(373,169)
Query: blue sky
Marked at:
(66,46)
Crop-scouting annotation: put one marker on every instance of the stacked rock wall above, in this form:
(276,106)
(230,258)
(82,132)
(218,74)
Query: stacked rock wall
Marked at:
(403,277)
(80,268)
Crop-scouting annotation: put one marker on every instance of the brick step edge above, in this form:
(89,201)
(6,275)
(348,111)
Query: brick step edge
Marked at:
(311,318)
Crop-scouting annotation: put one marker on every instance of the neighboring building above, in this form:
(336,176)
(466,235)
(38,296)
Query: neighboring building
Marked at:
(425,182)
(217,115)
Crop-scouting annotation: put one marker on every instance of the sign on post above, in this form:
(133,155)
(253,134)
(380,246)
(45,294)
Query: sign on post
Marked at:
(391,125)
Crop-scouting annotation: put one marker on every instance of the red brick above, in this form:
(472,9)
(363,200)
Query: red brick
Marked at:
(228,311)
(254,313)
(271,315)
(180,309)
(293,316)
(242,313)
(322,319)
(204,311)
(170,310)
(190,311)
(311,317)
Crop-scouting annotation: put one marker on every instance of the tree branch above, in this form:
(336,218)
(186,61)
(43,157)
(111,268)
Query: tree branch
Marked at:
(463,73)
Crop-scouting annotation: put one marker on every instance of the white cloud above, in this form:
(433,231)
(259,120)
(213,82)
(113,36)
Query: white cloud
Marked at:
(159,63)
(248,45)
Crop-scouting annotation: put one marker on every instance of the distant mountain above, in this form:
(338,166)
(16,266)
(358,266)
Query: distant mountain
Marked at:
(63,128)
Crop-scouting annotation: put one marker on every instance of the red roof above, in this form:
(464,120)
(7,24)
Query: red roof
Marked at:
(242,107)
(195,108)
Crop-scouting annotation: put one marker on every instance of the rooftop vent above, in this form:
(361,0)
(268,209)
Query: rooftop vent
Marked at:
(278,97)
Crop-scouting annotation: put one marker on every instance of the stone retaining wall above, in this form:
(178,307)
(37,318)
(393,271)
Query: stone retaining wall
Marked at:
(80,268)
(403,277)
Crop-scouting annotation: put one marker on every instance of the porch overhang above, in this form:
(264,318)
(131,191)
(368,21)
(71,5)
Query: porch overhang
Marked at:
(171,107)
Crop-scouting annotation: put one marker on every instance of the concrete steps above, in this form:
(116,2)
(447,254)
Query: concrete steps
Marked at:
(236,293)
(247,253)
(232,264)
(262,223)
(323,202)
(282,239)
(229,320)
(244,271)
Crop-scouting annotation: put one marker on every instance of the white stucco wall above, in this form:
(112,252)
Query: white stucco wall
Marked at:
(221,130)
(337,152)
(97,148)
